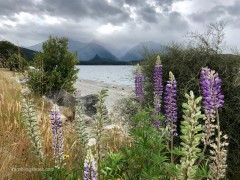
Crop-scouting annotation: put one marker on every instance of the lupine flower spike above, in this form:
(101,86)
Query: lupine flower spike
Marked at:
(214,99)
(191,137)
(80,127)
(211,90)
(139,84)
(57,136)
(31,124)
(170,104)
(171,108)
(158,89)
(101,121)
(90,168)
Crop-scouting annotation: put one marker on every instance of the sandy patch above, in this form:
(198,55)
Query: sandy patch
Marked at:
(115,92)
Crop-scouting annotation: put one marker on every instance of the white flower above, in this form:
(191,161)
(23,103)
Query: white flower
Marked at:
(92,142)
(89,157)
(26,91)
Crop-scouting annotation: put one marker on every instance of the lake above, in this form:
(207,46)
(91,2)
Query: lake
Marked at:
(118,75)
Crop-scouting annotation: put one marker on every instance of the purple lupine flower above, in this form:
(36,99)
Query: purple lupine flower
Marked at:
(139,84)
(158,87)
(158,90)
(170,104)
(57,135)
(211,91)
(90,168)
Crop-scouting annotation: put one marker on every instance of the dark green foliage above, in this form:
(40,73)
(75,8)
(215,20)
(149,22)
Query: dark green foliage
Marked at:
(56,66)
(147,158)
(21,55)
(17,62)
(28,54)
(186,63)
(112,167)
(7,49)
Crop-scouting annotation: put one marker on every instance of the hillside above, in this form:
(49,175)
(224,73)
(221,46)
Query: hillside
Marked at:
(7,49)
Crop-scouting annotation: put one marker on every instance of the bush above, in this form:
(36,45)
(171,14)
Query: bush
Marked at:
(55,67)
(186,62)
(17,62)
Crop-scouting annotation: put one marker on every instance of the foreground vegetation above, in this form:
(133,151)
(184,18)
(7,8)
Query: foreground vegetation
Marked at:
(182,123)
(148,153)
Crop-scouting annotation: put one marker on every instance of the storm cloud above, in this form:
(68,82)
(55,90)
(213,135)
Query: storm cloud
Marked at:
(118,23)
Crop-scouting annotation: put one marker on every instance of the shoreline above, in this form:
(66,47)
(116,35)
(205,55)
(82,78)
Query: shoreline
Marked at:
(115,92)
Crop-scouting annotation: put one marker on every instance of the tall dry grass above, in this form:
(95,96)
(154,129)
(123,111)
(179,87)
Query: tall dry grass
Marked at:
(12,140)
(15,148)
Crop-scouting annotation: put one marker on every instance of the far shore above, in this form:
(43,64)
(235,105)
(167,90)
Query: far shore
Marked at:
(115,92)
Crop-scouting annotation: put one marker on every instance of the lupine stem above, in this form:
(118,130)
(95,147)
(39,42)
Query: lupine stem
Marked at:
(218,130)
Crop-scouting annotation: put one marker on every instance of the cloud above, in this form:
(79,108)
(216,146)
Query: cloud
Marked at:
(148,14)
(220,12)
(9,8)
(126,22)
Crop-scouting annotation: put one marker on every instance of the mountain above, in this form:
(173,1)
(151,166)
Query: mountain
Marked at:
(118,52)
(75,45)
(85,51)
(72,45)
(136,53)
(92,49)
(36,47)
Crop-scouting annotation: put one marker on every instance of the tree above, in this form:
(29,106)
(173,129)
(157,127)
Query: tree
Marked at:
(17,62)
(55,67)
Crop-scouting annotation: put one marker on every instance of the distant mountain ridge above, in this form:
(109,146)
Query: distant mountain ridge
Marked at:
(88,51)
(92,49)
(137,52)
(85,51)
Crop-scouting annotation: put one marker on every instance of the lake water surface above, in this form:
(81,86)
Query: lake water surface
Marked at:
(119,75)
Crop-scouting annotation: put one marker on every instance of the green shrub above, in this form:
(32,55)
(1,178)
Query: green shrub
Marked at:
(148,156)
(55,67)
(186,63)
(17,62)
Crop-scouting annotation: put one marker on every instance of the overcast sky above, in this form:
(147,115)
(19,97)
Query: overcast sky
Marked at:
(116,22)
